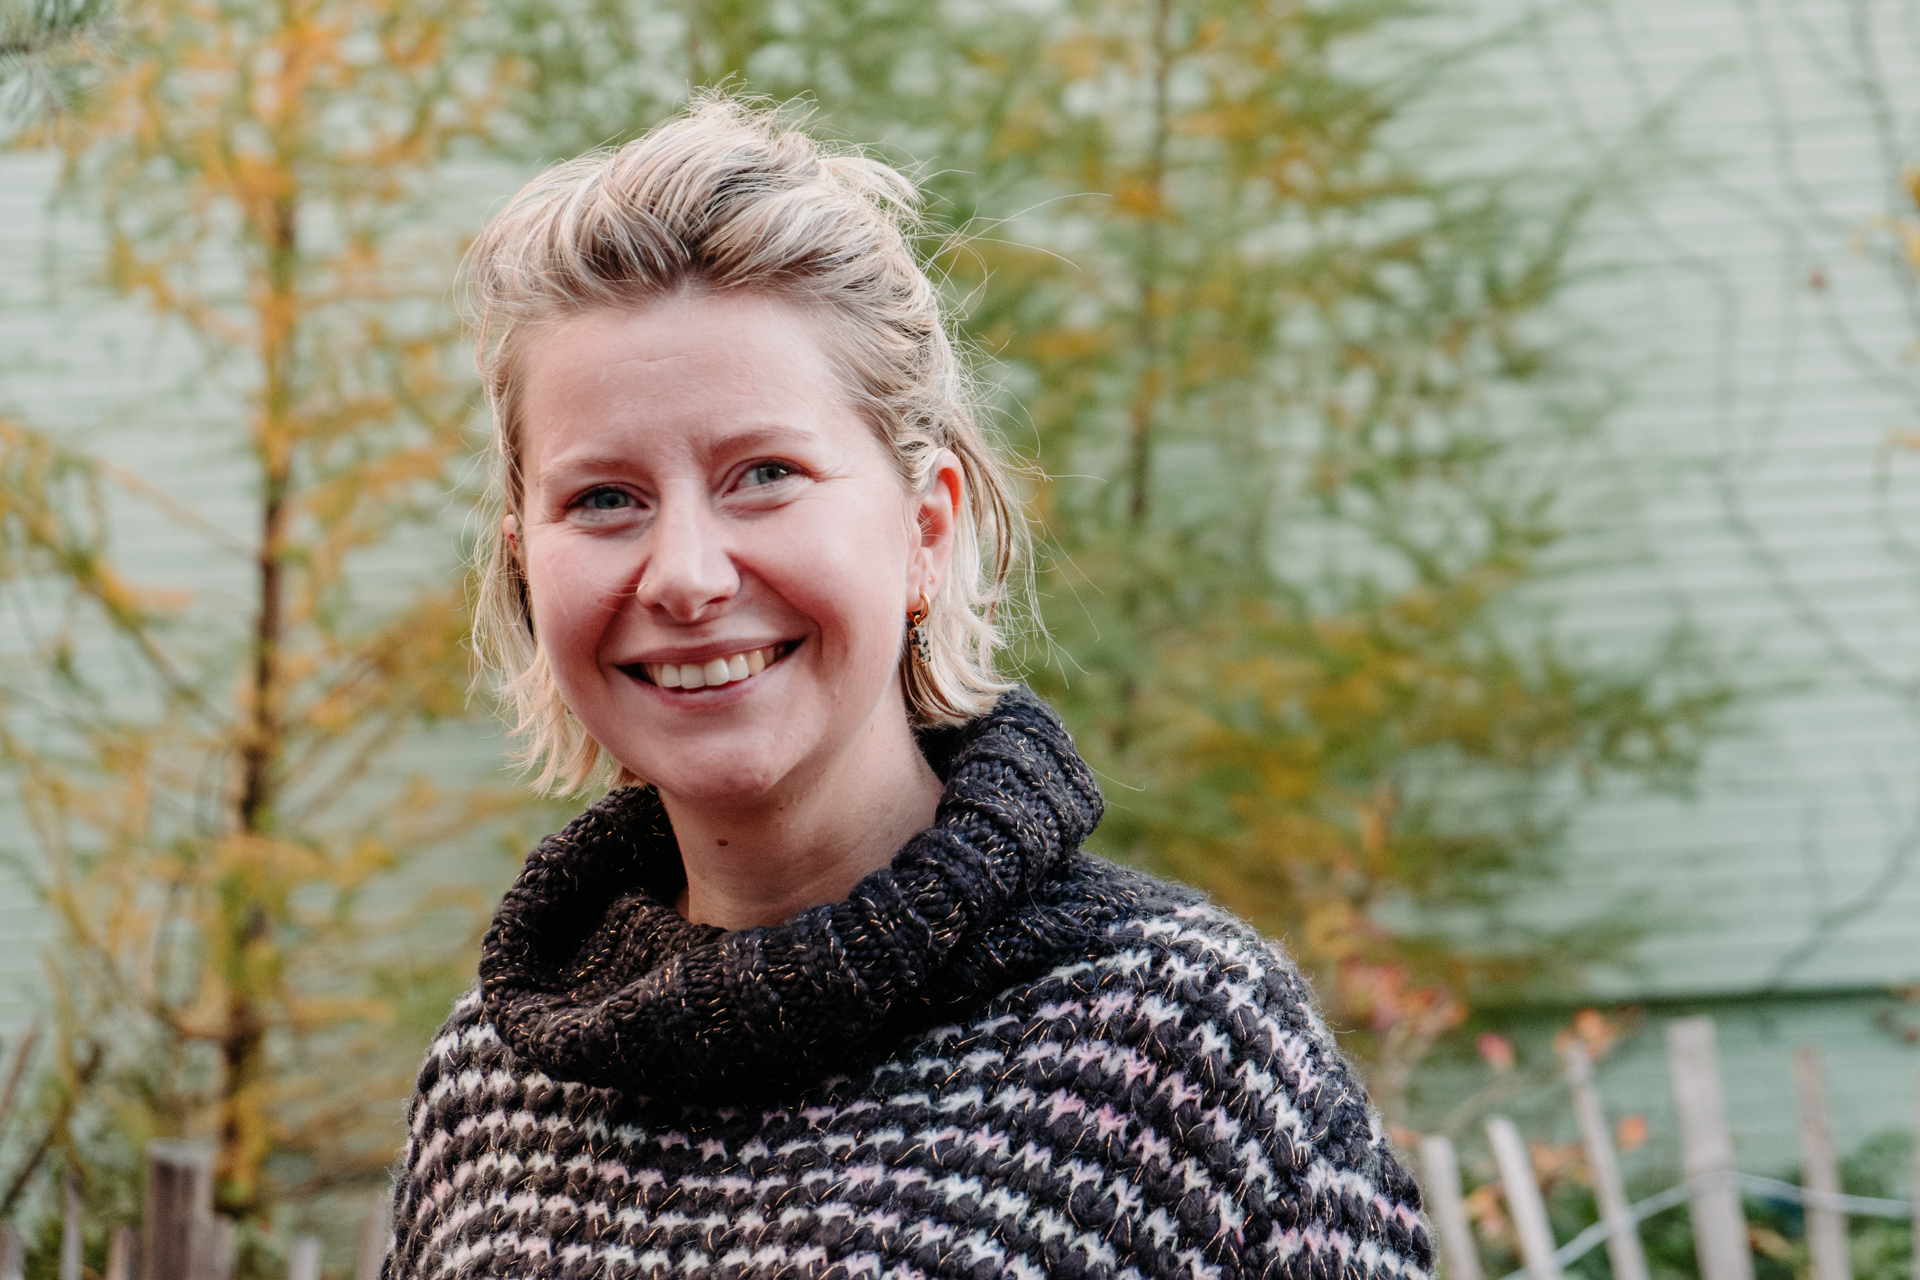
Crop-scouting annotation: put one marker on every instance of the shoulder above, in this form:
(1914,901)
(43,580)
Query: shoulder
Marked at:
(453,1075)
(472,1106)
(452,1083)
(1205,1035)
(1215,967)
(471,1089)
(1176,976)
(1167,940)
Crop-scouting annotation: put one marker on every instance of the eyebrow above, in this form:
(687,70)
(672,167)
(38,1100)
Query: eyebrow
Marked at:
(747,438)
(771,433)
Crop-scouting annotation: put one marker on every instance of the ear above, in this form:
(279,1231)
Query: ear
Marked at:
(510,530)
(937,511)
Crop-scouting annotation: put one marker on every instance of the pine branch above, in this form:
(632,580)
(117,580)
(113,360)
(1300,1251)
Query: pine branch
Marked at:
(56,1126)
(27,46)
(38,41)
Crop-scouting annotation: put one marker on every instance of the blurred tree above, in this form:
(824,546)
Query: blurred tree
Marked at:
(209,781)
(47,49)
(1316,453)
(1318,448)
(1335,456)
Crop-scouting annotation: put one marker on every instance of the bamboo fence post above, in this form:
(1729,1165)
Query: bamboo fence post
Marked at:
(177,1236)
(71,1241)
(375,1227)
(1448,1208)
(123,1248)
(1719,1223)
(1623,1237)
(1523,1199)
(13,1254)
(303,1259)
(1819,1169)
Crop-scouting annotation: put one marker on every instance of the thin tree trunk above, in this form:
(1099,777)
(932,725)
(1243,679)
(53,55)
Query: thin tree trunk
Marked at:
(1152,330)
(1151,337)
(266,736)
(243,1045)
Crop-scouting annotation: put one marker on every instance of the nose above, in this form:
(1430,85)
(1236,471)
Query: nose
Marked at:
(687,570)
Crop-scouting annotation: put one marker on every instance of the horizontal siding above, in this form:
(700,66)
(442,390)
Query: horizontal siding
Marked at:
(91,370)
(1698,288)
(1702,264)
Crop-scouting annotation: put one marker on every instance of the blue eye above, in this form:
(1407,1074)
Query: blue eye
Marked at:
(606,500)
(765,473)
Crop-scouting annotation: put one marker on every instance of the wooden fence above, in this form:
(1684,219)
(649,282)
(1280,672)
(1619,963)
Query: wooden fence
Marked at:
(1711,1190)
(180,1236)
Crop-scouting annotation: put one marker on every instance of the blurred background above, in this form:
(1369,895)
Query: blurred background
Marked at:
(1472,446)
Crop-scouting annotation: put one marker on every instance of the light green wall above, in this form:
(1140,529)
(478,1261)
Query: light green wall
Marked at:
(92,371)
(1741,388)
(1750,399)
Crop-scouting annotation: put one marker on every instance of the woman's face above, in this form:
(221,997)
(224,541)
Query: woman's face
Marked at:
(721,554)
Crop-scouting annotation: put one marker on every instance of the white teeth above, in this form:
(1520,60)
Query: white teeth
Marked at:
(714,672)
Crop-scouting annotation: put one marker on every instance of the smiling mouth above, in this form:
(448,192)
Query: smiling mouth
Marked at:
(714,672)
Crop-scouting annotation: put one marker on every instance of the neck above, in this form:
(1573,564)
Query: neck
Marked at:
(764,861)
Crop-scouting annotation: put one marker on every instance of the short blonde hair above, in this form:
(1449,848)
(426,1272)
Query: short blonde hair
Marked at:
(729,196)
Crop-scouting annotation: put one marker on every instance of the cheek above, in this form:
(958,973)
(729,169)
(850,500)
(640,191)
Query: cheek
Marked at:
(573,593)
(850,584)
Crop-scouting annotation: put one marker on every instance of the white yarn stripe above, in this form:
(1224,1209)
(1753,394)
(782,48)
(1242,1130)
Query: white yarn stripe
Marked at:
(980,1246)
(961,1077)
(741,1193)
(1121,1060)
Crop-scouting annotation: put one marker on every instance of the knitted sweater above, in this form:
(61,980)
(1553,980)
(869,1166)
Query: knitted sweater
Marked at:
(998,1057)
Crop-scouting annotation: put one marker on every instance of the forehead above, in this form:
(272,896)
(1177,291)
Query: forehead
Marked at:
(679,374)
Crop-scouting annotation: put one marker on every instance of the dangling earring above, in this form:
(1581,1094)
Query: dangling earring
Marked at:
(917,633)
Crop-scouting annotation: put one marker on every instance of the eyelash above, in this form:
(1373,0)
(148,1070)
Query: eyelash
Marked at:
(585,501)
(781,467)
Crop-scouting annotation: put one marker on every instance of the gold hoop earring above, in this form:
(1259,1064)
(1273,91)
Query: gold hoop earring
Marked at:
(917,633)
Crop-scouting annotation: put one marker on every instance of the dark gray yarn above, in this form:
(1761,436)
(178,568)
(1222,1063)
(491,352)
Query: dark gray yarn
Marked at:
(630,995)
(998,1057)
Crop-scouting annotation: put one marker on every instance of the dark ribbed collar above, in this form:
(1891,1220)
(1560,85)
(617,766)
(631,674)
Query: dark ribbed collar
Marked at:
(591,974)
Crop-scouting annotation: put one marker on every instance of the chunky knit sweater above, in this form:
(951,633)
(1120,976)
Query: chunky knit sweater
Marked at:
(998,1057)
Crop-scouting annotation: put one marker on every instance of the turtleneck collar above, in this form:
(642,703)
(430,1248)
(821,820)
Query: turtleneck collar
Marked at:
(590,973)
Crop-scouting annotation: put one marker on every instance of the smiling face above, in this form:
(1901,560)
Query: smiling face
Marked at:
(720,553)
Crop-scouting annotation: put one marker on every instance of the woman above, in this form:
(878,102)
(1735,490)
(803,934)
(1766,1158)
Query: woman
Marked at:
(824,986)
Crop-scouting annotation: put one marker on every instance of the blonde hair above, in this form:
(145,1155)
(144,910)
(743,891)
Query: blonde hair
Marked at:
(728,196)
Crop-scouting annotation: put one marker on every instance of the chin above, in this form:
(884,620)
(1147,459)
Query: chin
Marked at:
(720,779)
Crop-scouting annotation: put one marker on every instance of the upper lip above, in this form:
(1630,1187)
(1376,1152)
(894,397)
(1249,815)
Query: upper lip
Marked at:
(697,653)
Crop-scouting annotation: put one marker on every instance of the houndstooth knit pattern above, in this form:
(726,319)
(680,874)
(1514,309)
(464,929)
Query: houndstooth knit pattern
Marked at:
(1026,1062)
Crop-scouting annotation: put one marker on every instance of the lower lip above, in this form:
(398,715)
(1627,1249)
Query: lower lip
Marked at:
(713,695)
